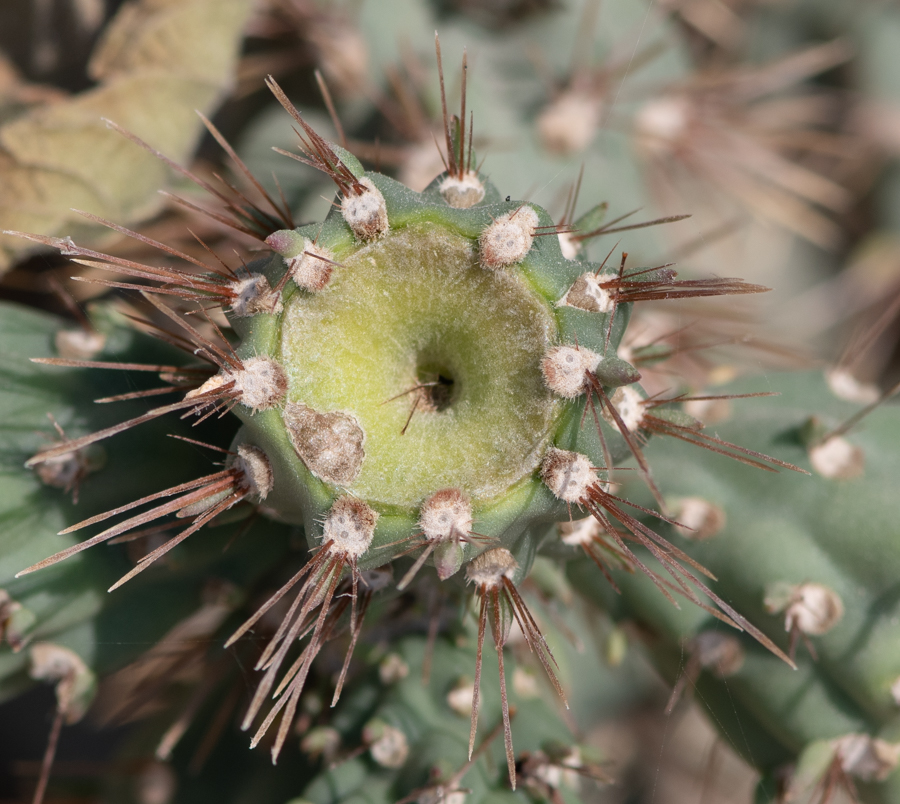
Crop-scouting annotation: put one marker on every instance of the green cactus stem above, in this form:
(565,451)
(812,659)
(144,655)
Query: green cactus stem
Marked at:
(418,373)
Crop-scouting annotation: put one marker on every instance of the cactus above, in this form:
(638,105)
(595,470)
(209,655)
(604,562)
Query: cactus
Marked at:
(392,425)
(814,568)
(374,385)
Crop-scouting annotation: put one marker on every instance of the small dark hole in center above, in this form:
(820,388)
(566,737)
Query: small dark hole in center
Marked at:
(437,389)
(436,392)
(440,394)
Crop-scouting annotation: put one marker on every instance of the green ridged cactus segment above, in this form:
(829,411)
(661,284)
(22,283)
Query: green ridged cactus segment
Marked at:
(416,734)
(67,604)
(812,560)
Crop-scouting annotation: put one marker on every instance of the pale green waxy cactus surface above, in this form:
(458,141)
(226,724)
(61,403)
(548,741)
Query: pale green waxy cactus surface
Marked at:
(812,561)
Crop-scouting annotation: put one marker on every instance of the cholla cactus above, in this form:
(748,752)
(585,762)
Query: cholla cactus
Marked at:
(419,372)
(430,391)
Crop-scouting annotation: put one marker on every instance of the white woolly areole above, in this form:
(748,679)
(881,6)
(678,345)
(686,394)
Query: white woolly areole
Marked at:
(588,294)
(568,124)
(254,296)
(446,515)
(629,404)
(869,759)
(491,567)
(459,699)
(700,518)
(568,475)
(79,344)
(261,383)
(580,532)
(442,795)
(311,268)
(664,120)
(814,609)
(508,239)
(569,246)
(366,213)
(350,525)
(837,459)
(564,369)
(256,469)
(391,748)
(845,386)
(462,193)
(719,652)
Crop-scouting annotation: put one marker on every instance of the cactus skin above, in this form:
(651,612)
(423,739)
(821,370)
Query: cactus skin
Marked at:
(415,286)
(69,606)
(522,521)
(837,533)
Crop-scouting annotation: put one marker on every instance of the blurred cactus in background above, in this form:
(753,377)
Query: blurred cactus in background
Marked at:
(410,458)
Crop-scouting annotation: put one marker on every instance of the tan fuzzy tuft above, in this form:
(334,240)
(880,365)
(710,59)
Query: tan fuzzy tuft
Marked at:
(580,532)
(491,567)
(366,212)
(845,386)
(587,293)
(446,515)
(569,246)
(508,239)
(254,296)
(630,406)
(80,344)
(565,369)
(568,475)
(330,444)
(718,652)
(698,519)
(387,744)
(459,699)
(810,608)
(350,527)
(312,268)
(569,123)
(815,609)
(256,469)
(462,193)
(261,383)
(868,758)
(663,121)
(837,459)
